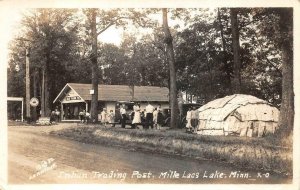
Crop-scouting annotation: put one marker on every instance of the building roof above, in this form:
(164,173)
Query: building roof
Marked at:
(245,107)
(118,92)
(15,98)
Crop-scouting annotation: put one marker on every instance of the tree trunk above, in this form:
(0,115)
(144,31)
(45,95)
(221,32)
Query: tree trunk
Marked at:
(34,114)
(236,52)
(286,117)
(43,94)
(27,86)
(94,103)
(46,91)
(45,109)
(170,55)
(224,58)
(211,82)
(46,86)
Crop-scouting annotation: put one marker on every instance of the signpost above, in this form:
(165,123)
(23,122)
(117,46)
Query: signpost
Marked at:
(27,85)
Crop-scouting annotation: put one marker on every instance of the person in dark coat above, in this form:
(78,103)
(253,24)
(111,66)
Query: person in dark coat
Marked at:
(160,119)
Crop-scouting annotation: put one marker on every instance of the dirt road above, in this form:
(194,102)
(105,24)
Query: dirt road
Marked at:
(36,157)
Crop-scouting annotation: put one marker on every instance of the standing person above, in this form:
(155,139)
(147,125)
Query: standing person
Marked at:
(155,118)
(87,116)
(160,119)
(137,116)
(143,118)
(57,114)
(188,119)
(111,118)
(194,119)
(104,117)
(149,116)
(99,116)
(52,117)
(123,114)
(68,113)
(82,115)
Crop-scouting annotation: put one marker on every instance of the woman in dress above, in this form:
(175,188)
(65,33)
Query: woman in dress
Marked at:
(104,117)
(137,115)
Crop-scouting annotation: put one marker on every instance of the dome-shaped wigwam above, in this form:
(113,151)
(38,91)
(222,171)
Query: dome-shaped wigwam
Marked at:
(239,114)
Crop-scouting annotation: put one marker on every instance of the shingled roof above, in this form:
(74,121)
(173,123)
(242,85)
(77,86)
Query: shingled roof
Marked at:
(118,92)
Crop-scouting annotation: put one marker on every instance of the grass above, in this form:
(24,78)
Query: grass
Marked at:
(254,153)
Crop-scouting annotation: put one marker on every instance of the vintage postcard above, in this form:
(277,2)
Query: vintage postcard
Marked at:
(149,94)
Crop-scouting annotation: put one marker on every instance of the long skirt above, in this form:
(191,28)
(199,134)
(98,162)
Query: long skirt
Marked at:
(136,118)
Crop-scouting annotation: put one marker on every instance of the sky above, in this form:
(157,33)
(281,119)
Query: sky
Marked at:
(12,18)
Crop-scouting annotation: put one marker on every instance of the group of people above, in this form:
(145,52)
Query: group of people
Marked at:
(192,120)
(150,118)
(84,116)
(107,118)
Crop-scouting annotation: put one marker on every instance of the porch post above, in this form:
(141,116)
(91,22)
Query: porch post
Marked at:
(86,106)
(61,111)
(22,111)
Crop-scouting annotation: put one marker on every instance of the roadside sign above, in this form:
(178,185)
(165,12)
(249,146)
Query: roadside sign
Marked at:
(34,102)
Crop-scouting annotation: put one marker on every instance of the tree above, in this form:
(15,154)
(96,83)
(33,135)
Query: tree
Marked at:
(136,62)
(276,24)
(16,70)
(204,54)
(286,117)
(236,51)
(201,58)
(225,56)
(171,60)
(146,60)
(51,35)
(106,19)
(92,14)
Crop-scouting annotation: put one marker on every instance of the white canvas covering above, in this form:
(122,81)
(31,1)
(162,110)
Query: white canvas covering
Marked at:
(239,114)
